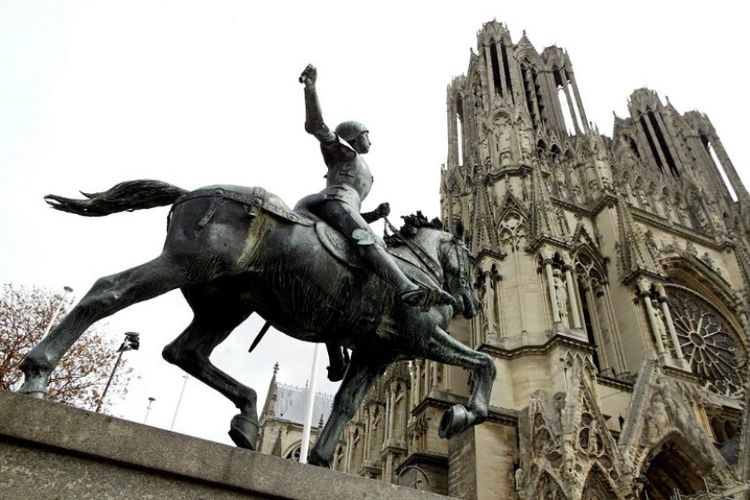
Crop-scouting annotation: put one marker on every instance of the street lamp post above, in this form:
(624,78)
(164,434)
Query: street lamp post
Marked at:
(179,402)
(131,343)
(148,408)
(59,307)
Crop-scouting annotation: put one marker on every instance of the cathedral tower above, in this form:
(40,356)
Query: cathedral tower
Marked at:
(614,277)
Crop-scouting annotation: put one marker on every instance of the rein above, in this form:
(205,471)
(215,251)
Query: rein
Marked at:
(433,266)
(463,265)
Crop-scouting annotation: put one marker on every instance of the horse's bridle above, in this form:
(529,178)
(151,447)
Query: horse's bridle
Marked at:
(434,267)
(464,263)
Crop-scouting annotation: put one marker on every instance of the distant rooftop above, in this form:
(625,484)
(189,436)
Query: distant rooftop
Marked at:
(291,400)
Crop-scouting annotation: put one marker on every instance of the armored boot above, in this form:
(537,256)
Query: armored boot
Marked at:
(410,294)
(351,225)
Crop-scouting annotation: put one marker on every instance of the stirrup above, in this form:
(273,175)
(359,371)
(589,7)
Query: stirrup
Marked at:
(427,298)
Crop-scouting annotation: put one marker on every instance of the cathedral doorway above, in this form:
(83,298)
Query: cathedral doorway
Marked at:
(670,472)
(597,487)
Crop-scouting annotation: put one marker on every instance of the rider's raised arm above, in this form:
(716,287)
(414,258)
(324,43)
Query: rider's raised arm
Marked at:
(314,123)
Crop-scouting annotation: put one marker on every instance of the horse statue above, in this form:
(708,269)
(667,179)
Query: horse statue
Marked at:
(236,250)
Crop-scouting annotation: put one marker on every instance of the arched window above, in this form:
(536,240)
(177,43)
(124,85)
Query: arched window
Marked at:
(460,131)
(357,451)
(513,232)
(661,139)
(495,62)
(506,67)
(533,92)
(596,310)
(338,458)
(711,152)
(294,453)
(633,147)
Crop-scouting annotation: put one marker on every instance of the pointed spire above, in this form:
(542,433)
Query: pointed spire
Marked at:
(271,397)
(636,256)
(543,213)
(483,223)
(524,41)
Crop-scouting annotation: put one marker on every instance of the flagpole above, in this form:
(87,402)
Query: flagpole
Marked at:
(309,408)
(179,402)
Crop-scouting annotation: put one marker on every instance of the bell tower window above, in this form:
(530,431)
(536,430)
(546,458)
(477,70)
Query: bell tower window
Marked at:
(506,67)
(651,144)
(496,77)
(663,143)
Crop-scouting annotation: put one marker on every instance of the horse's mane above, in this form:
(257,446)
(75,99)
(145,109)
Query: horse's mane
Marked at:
(412,223)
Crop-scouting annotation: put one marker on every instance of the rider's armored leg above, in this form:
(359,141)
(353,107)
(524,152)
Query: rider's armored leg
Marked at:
(354,228)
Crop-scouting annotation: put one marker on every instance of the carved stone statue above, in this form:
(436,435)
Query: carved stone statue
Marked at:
(561,295)
(236,250)
(561,183)
(519,476)
(661,329)
(488,301)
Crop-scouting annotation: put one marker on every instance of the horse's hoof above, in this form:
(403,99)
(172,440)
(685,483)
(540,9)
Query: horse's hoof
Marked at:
(33,394)
(244,432)
(314,459)
(456,419)
(35,380)
(35,387)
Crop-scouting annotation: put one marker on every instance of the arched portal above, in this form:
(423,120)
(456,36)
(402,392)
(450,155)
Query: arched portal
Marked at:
(549,489)
(597,487)
(669,472)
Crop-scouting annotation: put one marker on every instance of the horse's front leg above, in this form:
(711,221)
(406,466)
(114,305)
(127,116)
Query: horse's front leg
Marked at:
(441,347)
(358,379)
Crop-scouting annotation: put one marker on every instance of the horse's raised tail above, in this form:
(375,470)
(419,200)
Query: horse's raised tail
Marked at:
(125,196)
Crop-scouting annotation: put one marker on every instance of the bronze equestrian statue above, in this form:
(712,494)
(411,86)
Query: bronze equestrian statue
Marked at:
(236,250)
(348,182)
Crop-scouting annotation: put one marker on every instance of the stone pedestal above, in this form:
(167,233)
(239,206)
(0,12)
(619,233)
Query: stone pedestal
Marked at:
(49,450)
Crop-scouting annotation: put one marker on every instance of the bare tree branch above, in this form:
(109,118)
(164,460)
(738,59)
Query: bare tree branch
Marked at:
(80,377)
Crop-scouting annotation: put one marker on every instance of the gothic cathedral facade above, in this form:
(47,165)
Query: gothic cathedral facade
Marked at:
(614,276)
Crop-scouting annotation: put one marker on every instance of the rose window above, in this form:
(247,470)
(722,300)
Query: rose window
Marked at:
(713,351)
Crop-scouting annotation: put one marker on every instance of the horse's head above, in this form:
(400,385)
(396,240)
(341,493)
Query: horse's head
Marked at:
(444,258)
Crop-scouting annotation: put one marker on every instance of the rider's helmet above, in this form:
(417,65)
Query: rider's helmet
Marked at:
(350,130)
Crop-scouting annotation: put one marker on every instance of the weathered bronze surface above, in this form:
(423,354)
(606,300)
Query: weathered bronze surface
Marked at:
(348,182)
(237,250)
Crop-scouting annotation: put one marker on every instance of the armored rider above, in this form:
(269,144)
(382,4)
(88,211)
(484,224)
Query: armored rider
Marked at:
(348,182)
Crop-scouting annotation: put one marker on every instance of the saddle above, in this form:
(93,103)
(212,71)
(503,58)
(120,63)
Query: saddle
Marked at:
(259,200)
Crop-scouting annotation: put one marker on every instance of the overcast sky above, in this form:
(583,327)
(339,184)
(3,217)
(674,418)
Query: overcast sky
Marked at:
(198,92)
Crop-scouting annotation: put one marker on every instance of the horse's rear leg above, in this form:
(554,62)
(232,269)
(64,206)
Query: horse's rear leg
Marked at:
(214,320)
(358,379)
(443,348)
(108,295)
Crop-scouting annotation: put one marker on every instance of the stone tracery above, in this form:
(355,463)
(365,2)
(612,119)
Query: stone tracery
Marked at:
(710,346)
(624,207)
